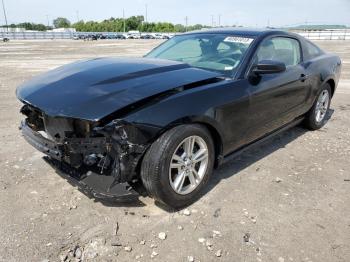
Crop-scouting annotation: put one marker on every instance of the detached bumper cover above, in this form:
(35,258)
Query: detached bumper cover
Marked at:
(95,185)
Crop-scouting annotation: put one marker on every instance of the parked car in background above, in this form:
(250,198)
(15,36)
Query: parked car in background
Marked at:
(166,120)
(91,37)
(158,36)
(5,39)
(75,37)
(133,34)
(147,36)
(101,36)
(120,36)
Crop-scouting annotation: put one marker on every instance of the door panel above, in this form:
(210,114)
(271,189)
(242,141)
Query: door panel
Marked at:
(275,101)
(277,98)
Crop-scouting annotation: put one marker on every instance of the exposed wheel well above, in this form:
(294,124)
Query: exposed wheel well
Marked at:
(332,85)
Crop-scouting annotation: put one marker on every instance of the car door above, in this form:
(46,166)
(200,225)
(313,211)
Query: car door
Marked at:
(276,98)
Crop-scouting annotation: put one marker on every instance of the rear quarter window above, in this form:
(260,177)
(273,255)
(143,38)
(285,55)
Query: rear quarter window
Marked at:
(312,50)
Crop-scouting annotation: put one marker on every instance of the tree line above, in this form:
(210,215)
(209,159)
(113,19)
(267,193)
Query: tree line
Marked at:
(111,25)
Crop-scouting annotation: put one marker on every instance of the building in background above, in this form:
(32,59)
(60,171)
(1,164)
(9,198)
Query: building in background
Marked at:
(63,30)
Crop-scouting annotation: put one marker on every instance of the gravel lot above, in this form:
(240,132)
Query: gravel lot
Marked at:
(287,200)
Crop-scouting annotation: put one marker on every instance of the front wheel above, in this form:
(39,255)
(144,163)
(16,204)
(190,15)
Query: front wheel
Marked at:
(317,116)
(178,165)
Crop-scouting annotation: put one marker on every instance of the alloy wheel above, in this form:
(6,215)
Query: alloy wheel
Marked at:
(188,165)
(322,106)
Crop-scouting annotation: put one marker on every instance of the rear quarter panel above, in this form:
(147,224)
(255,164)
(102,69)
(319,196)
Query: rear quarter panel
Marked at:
(321,69)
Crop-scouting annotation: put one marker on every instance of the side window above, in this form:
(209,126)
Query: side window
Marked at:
(312,50)
(282,49)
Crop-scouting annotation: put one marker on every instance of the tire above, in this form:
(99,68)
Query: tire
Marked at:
(159,179)
(312,121)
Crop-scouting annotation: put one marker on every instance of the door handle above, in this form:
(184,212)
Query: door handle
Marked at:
(303,77)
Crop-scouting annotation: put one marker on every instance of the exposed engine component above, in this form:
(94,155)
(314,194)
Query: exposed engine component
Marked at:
(113,149)
(90,160)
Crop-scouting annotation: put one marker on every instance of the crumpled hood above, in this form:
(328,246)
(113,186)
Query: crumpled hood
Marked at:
(95,88)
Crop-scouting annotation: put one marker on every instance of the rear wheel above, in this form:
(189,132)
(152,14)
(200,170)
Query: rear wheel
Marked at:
(178,165)
(317,116)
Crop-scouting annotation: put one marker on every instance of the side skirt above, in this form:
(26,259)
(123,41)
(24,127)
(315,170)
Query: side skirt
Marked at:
(260,141)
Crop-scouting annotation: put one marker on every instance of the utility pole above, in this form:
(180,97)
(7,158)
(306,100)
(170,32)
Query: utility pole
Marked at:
(48,21)
(124,19)
(78,19)
(306,25)
(212,20)
(3,7)
(146,13)
(219,20)
(186,22)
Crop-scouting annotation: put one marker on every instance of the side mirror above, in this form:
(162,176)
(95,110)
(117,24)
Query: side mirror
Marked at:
(268,67)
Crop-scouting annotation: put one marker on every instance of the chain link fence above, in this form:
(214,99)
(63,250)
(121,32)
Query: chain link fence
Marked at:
(312,35)
(325,34)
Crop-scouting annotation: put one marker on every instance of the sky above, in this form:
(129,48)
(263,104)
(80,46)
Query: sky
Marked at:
(253,13)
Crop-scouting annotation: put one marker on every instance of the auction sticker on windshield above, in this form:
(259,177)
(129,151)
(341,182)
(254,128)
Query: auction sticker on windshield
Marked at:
(238,39)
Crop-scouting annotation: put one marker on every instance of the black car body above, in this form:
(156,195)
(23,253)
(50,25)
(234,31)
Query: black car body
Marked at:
(104,114)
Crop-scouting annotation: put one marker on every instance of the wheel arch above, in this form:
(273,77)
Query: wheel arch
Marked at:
(217,140)
(206,122)
(210,124)
(331,83)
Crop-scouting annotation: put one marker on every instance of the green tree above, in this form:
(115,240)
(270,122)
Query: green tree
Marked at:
(132,23)
(179,28)
(195,27)
(31,26)
(61,22)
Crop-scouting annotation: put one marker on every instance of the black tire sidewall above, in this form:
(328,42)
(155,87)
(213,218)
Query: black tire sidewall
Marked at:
(165,191)
(312,115)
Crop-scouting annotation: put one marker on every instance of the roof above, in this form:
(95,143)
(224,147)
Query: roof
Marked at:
(240,31)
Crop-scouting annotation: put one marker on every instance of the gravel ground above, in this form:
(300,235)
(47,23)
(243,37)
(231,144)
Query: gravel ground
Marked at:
(287,200)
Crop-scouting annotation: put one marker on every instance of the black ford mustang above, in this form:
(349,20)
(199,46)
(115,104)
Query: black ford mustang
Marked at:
(166,120)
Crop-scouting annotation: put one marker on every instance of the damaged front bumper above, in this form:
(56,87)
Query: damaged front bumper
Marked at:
(41,143)
(96,185)
(108,178)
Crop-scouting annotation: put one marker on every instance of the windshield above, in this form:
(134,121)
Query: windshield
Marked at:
(217,52)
